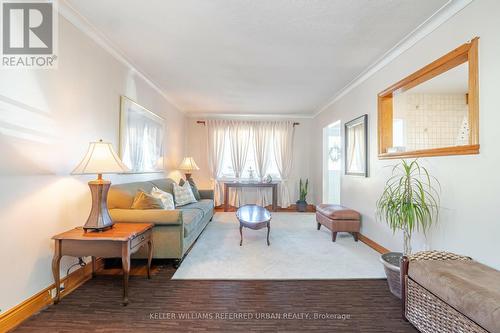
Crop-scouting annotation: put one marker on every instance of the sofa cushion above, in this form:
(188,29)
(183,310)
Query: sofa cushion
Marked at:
(164,184)
(166,198)
(155,216)
(122,195)
(192,219)
(468,286)
(206,206)
(194,188)
(183,195)
(206,194)
(337,212)
(143,200)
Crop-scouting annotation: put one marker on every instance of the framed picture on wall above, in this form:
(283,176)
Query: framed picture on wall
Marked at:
(142,134)
(356,146)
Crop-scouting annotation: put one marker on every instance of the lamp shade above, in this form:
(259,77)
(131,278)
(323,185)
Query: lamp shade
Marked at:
(100,158)
(188,164)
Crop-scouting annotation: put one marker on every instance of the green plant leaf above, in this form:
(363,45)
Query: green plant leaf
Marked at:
(410,199)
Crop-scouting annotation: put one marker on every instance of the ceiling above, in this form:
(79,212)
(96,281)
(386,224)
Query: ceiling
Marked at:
(253,56)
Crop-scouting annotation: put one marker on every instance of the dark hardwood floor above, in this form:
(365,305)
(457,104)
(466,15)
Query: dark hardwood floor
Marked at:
(164,305)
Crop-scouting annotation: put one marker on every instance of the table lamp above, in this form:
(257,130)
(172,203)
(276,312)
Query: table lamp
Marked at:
(188,164)
(100,158)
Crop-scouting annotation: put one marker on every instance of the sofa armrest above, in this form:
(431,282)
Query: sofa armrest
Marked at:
(207,194)
(155,216)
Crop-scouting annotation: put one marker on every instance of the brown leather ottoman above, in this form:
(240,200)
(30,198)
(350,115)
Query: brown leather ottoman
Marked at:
(338,219)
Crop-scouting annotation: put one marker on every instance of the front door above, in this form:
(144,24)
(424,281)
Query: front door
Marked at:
(332,161)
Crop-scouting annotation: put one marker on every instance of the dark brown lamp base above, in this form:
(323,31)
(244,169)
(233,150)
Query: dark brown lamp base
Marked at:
(99,218)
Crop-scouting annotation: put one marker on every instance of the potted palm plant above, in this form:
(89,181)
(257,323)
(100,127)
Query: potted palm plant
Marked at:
(409,202)
(302,203)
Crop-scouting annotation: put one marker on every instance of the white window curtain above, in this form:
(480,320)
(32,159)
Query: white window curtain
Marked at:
(215,140)
(265,137)
(239,134)
(283,133)
(262,134)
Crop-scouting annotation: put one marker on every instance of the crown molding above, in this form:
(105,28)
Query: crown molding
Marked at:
(84,25)
(209,115)
(442,15)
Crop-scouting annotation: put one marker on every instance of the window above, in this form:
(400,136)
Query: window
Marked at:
(227,167)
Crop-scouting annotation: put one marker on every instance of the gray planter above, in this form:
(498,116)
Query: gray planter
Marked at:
(301,205)
(392,267)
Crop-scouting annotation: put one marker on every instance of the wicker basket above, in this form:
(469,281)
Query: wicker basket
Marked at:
(429,314)
(391,262)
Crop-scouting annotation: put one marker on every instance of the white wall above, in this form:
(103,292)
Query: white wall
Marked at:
(197,147)
(469,222)
(47,119)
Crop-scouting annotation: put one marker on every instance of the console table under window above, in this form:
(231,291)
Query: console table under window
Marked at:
(272,185)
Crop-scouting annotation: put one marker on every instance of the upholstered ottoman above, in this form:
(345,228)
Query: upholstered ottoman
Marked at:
(338,219)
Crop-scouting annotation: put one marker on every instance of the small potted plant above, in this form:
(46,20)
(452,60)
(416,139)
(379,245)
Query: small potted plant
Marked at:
(302,203)
(409,202)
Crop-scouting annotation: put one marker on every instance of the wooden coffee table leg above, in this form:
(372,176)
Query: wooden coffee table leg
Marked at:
(268,230)
(241,234)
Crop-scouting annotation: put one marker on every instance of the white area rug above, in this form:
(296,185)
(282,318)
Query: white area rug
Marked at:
(297,251)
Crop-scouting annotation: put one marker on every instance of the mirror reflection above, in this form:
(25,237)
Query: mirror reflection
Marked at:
(433,114)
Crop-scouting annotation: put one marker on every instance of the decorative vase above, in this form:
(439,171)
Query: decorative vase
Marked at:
(301,205)
(251,175)
(392,267)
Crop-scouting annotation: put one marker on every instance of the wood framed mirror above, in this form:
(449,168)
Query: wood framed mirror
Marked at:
(434,111)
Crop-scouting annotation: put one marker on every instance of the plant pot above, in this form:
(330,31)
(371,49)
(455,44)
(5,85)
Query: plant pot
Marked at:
(392,267)
(301,205)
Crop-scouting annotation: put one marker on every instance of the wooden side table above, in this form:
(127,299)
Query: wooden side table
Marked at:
(272,185)
(122,240)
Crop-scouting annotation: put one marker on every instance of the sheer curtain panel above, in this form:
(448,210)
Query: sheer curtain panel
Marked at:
(216,139)
(239,134)
(262,135)
(283,133)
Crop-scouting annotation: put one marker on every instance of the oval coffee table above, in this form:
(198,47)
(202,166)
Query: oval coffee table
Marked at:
(253,217)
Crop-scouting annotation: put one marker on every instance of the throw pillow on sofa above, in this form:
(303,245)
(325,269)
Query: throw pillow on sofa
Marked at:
(183,194)
(166,198)
(194,188)
(143,200)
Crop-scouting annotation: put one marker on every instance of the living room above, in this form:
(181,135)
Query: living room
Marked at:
(241,169)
